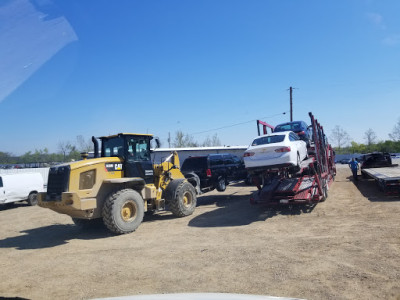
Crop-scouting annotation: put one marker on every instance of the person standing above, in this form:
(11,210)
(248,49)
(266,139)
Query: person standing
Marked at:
(354,168)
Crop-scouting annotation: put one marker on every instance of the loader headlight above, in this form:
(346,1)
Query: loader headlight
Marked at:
(87,180)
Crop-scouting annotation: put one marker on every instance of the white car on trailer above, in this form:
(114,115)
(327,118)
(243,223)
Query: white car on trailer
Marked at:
(279,149)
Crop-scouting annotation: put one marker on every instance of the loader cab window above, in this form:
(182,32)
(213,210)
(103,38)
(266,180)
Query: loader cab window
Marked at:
(138,149)
(112,147)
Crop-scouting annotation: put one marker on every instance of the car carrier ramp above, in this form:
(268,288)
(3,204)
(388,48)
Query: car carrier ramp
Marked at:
(308,184)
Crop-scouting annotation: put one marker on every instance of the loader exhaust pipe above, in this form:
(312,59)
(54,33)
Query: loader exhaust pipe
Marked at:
(96,147)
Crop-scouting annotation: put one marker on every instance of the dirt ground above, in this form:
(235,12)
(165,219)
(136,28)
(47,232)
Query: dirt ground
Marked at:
(347,247)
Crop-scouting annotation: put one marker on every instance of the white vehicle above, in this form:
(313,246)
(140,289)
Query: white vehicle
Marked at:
(20,187)
(280,149)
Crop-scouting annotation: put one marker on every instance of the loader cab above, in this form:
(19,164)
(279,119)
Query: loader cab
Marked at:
(134,151)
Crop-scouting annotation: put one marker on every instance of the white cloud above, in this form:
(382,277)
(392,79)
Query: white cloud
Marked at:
(376,19)
(391,40)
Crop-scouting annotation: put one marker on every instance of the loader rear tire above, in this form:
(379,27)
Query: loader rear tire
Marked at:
(182,201)
(123,211)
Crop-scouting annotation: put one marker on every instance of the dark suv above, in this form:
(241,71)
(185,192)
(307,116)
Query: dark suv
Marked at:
(213,171)
(375,160)
(299,127)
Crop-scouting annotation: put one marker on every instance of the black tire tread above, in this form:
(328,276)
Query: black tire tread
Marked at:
(107,212)
(219,187)
(175,205)
(32,199)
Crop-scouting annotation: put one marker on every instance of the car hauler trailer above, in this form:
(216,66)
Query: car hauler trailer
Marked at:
(387,178)
(307,184)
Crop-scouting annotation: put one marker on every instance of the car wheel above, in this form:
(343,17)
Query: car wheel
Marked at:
(32,199)
(221,184)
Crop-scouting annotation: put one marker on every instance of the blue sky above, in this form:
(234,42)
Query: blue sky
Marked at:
(90,67)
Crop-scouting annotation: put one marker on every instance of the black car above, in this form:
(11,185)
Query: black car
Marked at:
(299,127)
(345,161)
(213,171)
(375,160)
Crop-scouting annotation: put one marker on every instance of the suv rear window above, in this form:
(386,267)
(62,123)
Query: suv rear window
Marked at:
(216,160)
(194,163)
(268,140)
(289,127)
(228,160)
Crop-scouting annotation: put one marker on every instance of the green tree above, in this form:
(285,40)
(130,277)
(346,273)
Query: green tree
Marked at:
(65,148)
(395,135)
(6,158)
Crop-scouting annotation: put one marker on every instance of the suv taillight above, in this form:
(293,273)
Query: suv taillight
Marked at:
(208,172)
(283,149)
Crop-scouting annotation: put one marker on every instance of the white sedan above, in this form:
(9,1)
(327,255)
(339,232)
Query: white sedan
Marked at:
(280,149)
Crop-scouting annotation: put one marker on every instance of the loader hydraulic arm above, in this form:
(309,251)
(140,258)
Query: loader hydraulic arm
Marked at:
(167,171)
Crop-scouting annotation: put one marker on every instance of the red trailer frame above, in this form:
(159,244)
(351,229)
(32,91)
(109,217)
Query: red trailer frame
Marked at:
(308,185)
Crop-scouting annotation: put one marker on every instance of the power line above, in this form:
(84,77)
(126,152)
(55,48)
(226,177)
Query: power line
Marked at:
(236,124)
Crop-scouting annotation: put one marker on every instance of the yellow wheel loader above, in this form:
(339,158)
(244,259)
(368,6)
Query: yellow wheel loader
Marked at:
(119,186)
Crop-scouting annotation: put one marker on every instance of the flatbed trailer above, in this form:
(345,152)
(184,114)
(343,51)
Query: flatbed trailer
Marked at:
(387,178)
(308,184)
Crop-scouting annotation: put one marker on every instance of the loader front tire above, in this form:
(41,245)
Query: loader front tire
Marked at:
(182,201)
(123,211)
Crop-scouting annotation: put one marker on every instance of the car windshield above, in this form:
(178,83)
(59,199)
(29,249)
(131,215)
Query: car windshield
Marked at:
(288,127)
(138,149)
(272,139)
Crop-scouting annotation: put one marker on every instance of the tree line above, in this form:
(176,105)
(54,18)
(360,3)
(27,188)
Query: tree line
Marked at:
(67,151)
(71,150)
(343,143)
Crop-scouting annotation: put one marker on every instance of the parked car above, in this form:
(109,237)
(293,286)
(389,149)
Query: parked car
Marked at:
(278,149)
(345,161)
(375,160)
(299,127)
(20,187)
(213,171)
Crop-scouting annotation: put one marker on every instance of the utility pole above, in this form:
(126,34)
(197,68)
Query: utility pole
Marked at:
(169,140)
(291,104)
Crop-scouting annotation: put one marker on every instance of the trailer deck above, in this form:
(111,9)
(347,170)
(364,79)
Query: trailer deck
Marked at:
(387,178)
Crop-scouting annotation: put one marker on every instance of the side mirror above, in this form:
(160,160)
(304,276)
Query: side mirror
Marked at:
(154,144)
(158,143)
